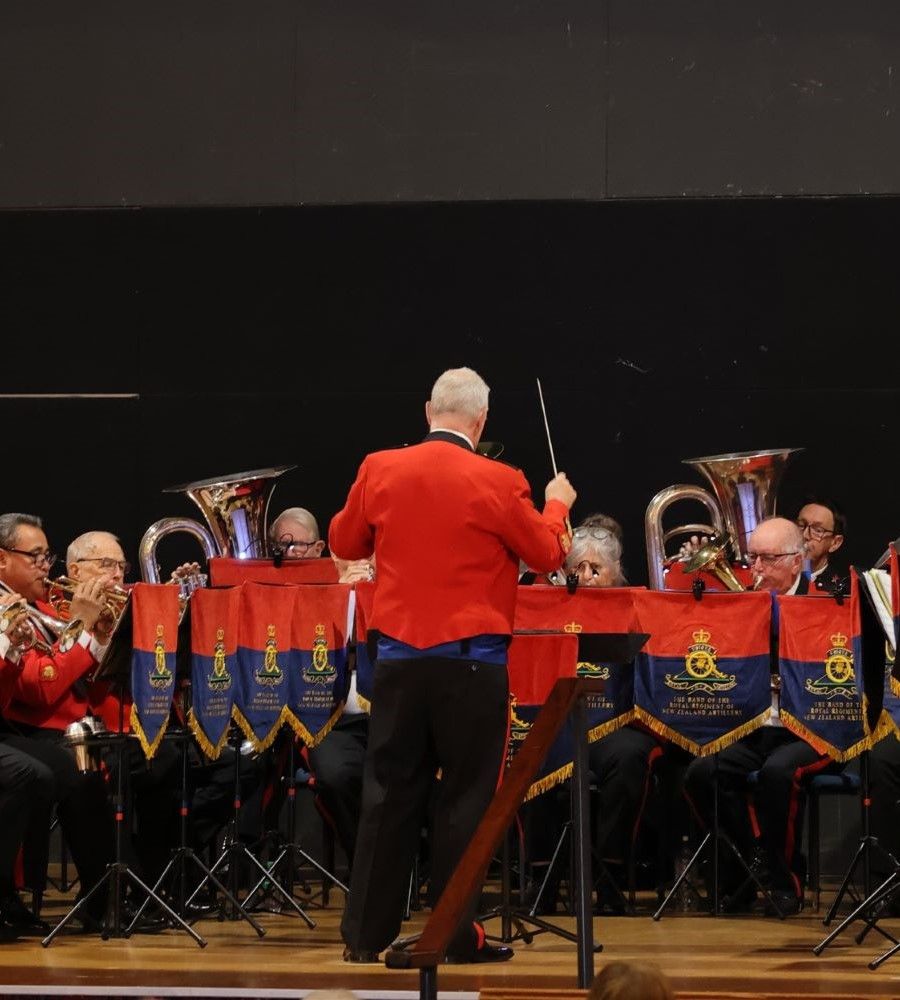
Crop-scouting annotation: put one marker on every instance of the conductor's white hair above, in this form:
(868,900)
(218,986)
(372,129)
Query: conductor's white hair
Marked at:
(461,391)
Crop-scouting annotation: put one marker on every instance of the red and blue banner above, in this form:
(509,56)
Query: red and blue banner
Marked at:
(703,679)
(322,625)
(535,663)
(821,698)
(588,611)
(214,667)
(154,638)
(264,660)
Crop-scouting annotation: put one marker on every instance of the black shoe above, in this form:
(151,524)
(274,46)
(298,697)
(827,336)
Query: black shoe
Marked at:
(787,901)
(14,913)
(361,957)
(486,953)
(740,900)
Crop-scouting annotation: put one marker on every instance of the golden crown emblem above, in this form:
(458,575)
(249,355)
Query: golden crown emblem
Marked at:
(159,631)
(573,627)
(320,630)
(220,634)
(838,639)
(701,635)
(270,631)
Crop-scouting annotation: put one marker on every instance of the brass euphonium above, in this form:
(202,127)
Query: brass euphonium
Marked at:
(235,508)
(745,485)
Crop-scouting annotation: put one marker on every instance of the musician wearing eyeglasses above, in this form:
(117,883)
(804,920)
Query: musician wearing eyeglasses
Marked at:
(823,526)
(31,723)
(294,534)
(776,552)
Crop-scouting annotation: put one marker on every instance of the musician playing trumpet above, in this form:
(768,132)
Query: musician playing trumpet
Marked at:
(37,709)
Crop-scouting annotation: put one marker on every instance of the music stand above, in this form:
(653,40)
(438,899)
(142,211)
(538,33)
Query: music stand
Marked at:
(184,858)
(116,668)
(870,906)
(593,647)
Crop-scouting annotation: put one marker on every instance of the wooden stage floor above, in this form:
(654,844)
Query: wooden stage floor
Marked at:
(704,957)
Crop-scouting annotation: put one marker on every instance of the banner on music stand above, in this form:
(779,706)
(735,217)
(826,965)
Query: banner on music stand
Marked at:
(227,572)
(323,622)
(821,701)
(588,611)
(214,667)
(704,678)
(535,663)
(155,613)
(365,655)
(265,661)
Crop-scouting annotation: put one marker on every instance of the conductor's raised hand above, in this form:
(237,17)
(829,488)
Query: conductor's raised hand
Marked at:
(559,488)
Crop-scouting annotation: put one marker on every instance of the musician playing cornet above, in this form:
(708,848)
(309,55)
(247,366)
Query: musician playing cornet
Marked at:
(35,713)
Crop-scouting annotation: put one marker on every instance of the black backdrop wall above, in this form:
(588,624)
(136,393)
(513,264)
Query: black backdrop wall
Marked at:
(199,342)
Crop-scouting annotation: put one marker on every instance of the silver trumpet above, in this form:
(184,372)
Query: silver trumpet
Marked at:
(28,627)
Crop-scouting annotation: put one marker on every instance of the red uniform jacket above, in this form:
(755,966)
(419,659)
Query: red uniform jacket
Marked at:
(448,528)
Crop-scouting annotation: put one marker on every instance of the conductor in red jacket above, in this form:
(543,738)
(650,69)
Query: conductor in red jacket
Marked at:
(440,695)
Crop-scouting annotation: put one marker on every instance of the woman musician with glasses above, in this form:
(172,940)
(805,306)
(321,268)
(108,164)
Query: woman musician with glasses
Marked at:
(31,722)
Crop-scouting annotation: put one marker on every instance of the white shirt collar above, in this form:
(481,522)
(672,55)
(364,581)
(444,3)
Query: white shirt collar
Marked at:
(796,584)
(459,434)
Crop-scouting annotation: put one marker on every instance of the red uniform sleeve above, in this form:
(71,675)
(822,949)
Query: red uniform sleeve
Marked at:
(350,536)
(46,677)
(540,539)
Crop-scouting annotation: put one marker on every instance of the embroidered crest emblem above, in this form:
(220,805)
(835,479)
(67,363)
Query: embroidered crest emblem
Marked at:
(838,681)
(270,674)
(160,675)
(320,671)
(701,671)
(219,679)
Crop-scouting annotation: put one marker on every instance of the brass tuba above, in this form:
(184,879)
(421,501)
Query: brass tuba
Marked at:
(235,508)
(745,486)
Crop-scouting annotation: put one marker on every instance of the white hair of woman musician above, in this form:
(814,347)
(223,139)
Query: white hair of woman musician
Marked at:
(595,557)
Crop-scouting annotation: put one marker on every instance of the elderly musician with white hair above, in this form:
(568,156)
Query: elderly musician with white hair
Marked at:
(440,692)
(776,552)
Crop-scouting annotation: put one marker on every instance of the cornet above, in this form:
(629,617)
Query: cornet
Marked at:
(61,591)
(23,624)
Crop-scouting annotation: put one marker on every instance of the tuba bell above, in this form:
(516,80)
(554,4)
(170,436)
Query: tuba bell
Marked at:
(235,508)
(745,486)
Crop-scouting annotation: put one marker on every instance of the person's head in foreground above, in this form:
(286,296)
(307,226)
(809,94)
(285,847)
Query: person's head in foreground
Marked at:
(630,981)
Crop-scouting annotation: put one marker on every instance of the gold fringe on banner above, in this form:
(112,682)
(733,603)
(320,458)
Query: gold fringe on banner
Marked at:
(364,703)
(895,686)
(211,750)
(707,749)
(792,723)
(308,738)
(883,728)
(549,781)
(605,728)
(247,728)
(136,727)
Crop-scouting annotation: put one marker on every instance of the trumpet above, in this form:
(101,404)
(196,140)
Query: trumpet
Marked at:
(61,591)
(25,625)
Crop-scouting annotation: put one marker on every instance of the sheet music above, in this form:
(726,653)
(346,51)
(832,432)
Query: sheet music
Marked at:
(878,585)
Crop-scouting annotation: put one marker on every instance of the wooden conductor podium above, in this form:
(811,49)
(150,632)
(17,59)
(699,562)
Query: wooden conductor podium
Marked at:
(567,696)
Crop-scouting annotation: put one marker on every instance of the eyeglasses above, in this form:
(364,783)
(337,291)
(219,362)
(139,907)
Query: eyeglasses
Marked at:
(586,565)
(769,558)
(815,530)
(599,533)
(292,548)
(37,556)
(109,564)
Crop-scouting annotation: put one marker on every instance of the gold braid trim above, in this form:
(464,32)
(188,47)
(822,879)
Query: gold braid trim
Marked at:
(211,750)
(895,686)
(884,727)
(306,735)
(247,728)
(707,749)
(605,728)
(823,746)
(136,727)
(549,781)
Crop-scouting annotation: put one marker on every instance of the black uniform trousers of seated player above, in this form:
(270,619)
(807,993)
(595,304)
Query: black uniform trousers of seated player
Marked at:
(884,811)
(27,788)
(785,763)
(427,713)
(81,805)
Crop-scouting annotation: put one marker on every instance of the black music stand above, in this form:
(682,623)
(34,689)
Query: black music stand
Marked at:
(593,647)
(116,667)
(184,859)
(290,847)
(870,905)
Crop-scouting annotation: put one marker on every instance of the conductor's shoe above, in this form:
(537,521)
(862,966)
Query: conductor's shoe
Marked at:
(16,914)
(362,957)
(486,953)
